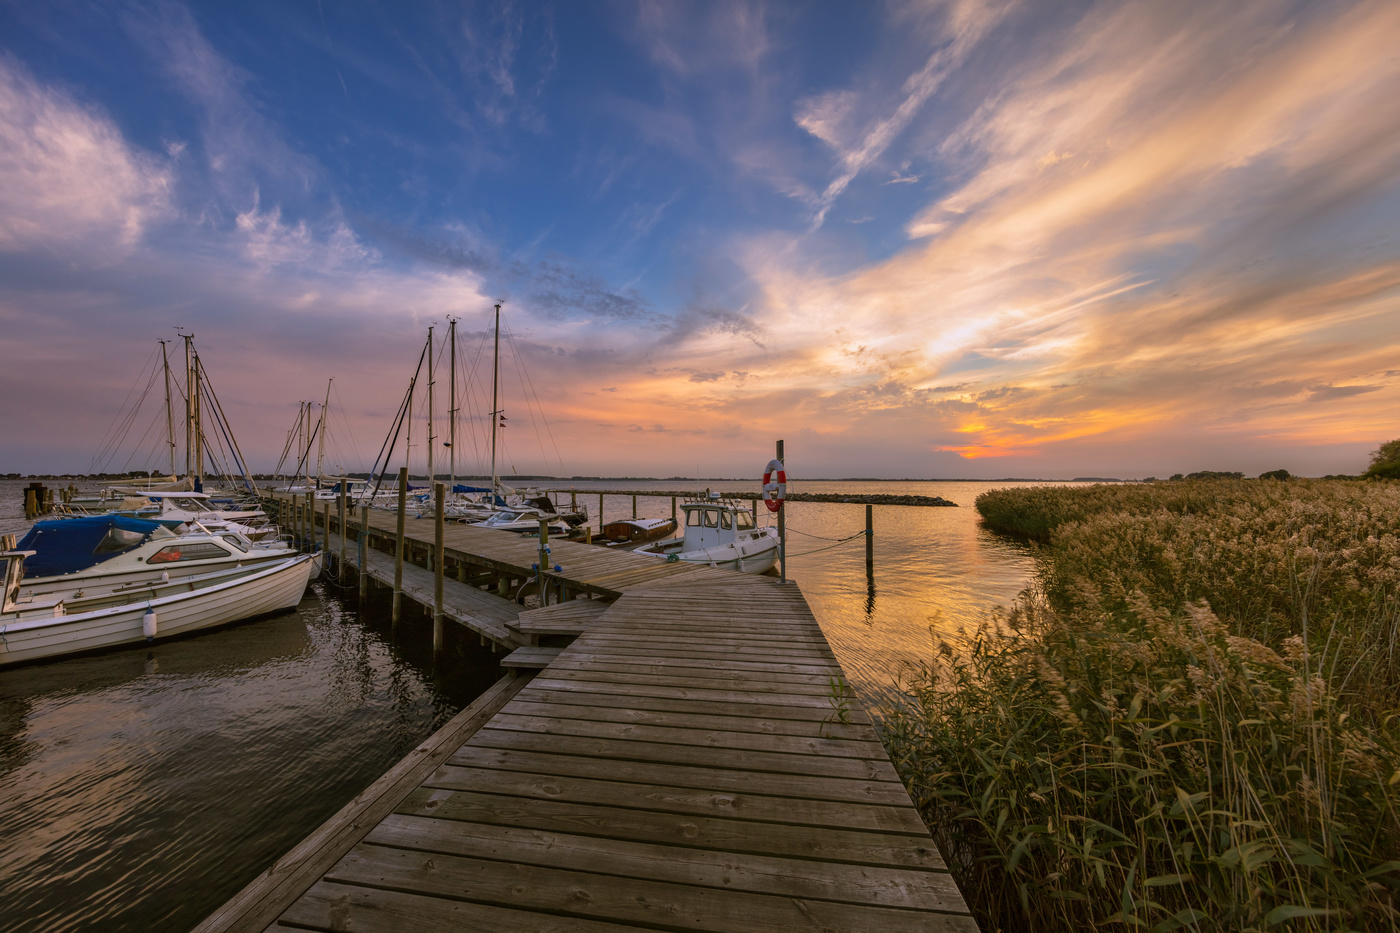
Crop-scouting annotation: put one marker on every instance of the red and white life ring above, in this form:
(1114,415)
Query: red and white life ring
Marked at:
(774,485)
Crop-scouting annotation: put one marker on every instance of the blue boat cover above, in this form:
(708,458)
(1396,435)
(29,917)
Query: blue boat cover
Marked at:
(68,545)
(460,488)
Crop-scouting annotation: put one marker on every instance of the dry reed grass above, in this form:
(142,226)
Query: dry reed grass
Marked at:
(1190,725)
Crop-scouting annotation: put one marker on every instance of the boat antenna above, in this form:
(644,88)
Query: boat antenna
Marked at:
(495,411)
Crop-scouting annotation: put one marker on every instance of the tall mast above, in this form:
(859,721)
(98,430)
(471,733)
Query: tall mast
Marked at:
(432,478)
(321,451)
(198,428)
(452,402)
(189,407)
(169,412)
(495,415)
(306,439)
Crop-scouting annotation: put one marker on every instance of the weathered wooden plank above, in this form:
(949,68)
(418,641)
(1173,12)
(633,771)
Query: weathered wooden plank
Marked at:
(705,829)
(736,711)
(759,874)
(852,790)
(337,908)
(509,719)
(695,694)
(623,900)
(717,680)
(676,668)
(569,707)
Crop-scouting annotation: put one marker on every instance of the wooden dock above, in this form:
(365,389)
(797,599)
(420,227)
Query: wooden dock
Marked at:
(691,761)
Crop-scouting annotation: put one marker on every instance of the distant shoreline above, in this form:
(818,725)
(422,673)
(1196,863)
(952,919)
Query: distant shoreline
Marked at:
(509,480)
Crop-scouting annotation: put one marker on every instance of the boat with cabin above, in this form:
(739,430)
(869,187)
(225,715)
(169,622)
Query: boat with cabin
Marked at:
(720,532)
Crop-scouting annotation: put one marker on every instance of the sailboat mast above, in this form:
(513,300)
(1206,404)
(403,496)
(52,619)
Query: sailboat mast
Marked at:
(198,428)
(169,412)
(495,415)
(432,478)
(321,451)
(189,408)
(452,402)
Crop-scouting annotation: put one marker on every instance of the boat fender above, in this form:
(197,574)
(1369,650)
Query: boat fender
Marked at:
(165,577)
(148,624)
(558,569)
(774,485)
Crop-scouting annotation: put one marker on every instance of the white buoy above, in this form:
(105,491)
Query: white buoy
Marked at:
(148,624)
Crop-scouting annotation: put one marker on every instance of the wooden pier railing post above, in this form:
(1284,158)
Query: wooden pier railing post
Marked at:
(634,507)
(326,528)
(440,506)
(344,535)
(673,508)
(600,512)
(782,533)
(398,546)
(544,558)
(310,520)
(364,551)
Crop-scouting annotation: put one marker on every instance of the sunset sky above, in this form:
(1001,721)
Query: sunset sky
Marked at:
(914,239)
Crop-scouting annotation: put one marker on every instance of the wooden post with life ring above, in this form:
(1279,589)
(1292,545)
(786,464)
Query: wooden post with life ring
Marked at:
(774,491)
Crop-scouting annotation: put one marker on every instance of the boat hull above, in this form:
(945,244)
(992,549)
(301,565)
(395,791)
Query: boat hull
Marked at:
(262,591)
(757,555)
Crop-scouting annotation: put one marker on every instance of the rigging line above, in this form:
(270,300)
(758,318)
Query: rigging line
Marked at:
(397,426)
(137,381)
(349,427)
(539,405)
(520,375)
(468,366)
(141,451)
(479,438)
(234,452)
(120,428)
(127,422)
(287,447)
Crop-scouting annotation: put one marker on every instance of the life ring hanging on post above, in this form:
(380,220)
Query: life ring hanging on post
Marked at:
(774,485)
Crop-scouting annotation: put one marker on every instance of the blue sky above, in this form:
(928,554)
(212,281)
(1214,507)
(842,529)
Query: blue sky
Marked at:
(964,238)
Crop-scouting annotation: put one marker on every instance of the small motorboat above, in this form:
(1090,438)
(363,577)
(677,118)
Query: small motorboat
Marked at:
(630,533)
(96,553)
(720,533)
(39,627)
(523,521)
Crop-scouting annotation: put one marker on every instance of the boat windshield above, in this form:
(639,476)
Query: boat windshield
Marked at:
(237,541)
(726,520)
(502,518)
(743,520)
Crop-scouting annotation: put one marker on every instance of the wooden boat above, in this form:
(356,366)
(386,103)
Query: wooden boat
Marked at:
(720,533)
(37,628)
(630,533)
(96,553)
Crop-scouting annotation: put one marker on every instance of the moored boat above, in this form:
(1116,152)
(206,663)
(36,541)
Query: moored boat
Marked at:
(720,533)
(36,628)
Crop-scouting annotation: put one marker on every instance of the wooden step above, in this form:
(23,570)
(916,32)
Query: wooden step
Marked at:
(531,656)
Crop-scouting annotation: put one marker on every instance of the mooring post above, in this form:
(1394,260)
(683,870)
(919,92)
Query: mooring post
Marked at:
(673,508)
(634,507)
(869,543)
(364,551)
(398,545)
(782,533)
(440,506)
(344,536)
(600,512)
(544,557)
(310,520)
(326,530)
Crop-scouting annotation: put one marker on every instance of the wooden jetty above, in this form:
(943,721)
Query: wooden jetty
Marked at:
(692,760)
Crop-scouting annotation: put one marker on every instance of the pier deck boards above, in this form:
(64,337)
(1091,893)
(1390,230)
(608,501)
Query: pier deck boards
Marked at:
(685,764)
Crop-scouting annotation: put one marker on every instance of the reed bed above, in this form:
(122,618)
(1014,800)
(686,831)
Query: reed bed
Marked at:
(1187,722)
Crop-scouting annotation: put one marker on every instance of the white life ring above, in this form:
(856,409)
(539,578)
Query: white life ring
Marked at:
(774,485)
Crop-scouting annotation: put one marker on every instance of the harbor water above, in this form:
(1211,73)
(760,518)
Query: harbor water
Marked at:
(141,788)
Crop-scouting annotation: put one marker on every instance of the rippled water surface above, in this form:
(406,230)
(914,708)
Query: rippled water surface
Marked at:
(139,789)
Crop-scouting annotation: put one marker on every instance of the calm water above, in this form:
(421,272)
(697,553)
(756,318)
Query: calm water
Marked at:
(140,789)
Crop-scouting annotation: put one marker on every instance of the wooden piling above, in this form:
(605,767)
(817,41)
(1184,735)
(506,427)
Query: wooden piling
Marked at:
(344,536)
(634,507)
(310,520)
(364,548)
(673,508)
(440,506)
(398,546)
(326,528)
(869,541)
(782,533)
(600,512)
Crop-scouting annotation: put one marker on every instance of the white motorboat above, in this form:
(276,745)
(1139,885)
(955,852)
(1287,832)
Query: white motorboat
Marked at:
(97,553)
(720,533)
(36,628)
(186,508)
(522,521)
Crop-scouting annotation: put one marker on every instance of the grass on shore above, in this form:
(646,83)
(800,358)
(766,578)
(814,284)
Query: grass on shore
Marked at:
(1186,723)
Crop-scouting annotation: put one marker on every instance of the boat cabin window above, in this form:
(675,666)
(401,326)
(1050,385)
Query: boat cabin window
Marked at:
(711,518)
(692,518)
(117,540)
(240,544)
(743,520)
(189,505)
(726,520)
(180,552)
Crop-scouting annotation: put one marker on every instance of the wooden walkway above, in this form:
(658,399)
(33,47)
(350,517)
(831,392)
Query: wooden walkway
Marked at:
(690,762)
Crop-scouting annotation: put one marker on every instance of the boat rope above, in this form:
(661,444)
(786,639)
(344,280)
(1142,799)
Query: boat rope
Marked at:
(821,538)
(859,534)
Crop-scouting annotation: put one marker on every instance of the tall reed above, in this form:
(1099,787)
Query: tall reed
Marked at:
(1187,723)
